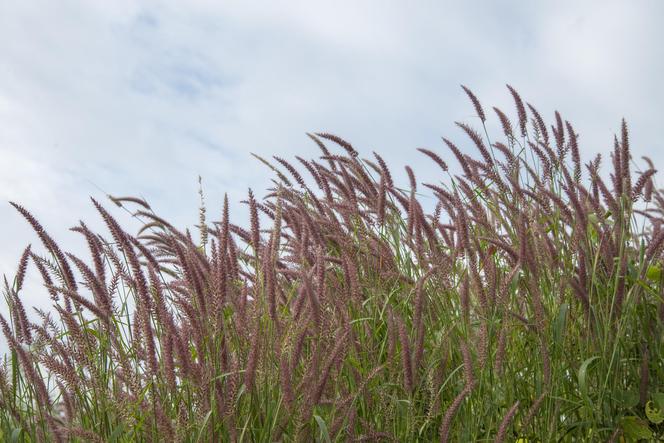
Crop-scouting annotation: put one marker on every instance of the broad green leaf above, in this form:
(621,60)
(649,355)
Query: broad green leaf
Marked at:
(635,428)
(628,399)
(654,414)
(654,272)
(658,397)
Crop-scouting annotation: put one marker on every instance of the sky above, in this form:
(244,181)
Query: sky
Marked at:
(141,98)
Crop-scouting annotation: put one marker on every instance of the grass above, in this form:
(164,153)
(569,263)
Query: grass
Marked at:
(527,306)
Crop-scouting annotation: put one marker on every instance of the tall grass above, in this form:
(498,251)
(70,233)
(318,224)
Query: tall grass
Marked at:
(527,304)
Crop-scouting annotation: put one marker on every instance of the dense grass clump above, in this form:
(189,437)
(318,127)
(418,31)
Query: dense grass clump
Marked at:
(526,305)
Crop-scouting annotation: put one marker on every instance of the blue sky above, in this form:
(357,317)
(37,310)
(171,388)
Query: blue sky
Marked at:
(141,98)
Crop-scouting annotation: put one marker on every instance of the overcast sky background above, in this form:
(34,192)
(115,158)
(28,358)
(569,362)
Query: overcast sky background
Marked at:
(140,98)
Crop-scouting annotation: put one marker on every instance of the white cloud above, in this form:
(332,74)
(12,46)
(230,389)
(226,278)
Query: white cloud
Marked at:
(141,98)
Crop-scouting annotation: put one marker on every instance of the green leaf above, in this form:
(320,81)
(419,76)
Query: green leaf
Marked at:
(583,375)
(659,399)
(93,332)
(628,399)
(635,428)
(204,425)
(559,325)
(654,272)
(117,432)
(16,434)
(324,434)
(654,414)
